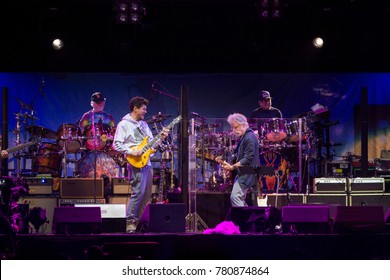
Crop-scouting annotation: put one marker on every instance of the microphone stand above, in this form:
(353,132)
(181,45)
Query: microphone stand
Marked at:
(94,155)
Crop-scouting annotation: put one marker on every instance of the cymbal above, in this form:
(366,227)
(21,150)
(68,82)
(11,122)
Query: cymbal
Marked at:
(25,115)
(158,118)
(41,131)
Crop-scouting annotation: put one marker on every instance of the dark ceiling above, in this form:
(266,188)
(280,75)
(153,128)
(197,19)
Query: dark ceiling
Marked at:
(195,36)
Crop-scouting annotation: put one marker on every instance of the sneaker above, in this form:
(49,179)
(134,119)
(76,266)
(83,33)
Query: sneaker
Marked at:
(131,227)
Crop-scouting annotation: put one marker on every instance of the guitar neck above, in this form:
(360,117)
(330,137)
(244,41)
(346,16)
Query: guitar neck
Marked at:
(19,147)
(159,135)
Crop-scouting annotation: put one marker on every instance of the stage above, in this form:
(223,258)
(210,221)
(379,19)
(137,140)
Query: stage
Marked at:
(198,246)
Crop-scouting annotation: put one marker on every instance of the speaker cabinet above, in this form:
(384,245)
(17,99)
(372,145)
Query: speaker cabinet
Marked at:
(168,218)
(306,219)
(212,207)
(359,219)
(367,185)
(387,217)
(82,188)
(330,185)
(77,220)
(253,219)
(370,199)
(332,200)
(48,203)
(284,199)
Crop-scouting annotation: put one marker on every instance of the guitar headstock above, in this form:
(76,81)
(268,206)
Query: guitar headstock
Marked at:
(177,119)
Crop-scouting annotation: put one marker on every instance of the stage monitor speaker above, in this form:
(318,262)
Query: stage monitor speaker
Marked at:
(77,220)
(306,219)
(359,219)
(168,218)
(113,216)
(252,219)
(387,216)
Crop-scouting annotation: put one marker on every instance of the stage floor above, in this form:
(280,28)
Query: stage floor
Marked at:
(197,246)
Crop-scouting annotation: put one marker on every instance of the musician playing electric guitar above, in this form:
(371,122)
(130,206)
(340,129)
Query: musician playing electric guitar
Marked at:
(247,154)
(131,134)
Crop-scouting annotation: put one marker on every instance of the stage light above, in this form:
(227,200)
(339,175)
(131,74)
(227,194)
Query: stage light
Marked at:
(270,9)
(128,11)
(318,42)
(57,44)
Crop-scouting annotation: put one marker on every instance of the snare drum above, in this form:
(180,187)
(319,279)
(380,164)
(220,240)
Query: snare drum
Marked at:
(68,137)
(275,129)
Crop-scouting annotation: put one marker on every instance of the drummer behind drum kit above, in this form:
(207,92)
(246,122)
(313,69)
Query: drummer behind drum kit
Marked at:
(279,143)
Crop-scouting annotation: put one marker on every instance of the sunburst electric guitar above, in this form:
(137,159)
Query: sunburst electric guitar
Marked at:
(148,147)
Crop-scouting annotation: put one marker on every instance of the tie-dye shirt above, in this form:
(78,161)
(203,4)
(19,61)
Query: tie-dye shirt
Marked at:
(102,117)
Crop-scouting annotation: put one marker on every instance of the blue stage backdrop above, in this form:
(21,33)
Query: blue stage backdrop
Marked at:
(58,98)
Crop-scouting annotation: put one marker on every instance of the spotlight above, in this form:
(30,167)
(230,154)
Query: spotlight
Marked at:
(270,9)
(57,44)
(128,11)
(318,42)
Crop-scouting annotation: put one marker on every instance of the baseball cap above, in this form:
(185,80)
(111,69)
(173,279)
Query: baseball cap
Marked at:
(97,97)
(264,95)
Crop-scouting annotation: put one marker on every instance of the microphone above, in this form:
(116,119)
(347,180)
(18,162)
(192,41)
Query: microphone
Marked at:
(43,87)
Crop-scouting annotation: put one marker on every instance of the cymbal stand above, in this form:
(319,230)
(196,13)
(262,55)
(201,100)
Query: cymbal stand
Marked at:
(17,142)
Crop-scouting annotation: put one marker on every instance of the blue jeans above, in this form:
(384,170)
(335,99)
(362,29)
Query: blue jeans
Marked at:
(141,180)
(238,195)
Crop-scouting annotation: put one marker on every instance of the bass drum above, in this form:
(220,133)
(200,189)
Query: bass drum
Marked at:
(106,166)
(47,160)
(279,181)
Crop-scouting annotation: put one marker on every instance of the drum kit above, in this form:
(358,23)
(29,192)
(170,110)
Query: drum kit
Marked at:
(52,154)
(279,141)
